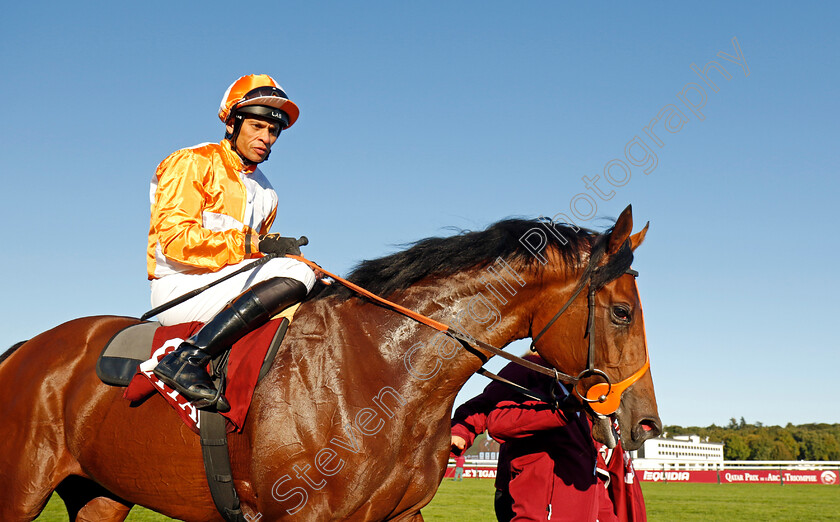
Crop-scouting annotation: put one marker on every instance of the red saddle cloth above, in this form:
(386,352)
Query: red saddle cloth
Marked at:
(246,358)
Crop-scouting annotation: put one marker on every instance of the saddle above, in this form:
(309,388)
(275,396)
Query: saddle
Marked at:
(124,357)
(130,347)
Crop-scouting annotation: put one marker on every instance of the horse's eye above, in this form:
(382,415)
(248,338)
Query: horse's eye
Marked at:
(621,314)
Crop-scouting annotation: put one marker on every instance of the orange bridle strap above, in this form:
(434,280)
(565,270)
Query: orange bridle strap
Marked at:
(370,295)
(604,398)
(464,339)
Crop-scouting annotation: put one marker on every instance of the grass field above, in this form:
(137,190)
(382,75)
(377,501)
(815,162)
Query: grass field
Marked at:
(473,500)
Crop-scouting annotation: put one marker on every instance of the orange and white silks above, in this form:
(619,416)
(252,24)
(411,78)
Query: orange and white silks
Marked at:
(203,203)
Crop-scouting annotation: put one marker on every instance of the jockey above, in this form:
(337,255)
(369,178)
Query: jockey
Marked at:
(211,209)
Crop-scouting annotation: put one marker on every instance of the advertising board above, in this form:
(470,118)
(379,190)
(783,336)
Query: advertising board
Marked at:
(742,476)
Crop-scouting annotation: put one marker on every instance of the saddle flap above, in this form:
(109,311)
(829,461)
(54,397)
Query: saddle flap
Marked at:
(118,362)
(273,347)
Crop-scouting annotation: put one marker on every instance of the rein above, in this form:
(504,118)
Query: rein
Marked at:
(604,397)
(441,327)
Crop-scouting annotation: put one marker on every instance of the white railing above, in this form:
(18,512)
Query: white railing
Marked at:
(699,464)
(783,464)
(476,463)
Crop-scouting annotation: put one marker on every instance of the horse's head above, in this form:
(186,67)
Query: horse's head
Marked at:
(601,340)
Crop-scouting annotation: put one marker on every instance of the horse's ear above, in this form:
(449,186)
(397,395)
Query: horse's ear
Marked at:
(639,237)
(621,231)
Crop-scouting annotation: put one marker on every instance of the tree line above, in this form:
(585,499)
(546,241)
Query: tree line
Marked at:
(744,441)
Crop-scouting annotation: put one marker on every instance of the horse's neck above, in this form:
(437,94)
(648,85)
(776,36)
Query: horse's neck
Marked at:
(492,305)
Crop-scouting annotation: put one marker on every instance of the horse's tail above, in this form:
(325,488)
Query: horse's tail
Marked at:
(10,351)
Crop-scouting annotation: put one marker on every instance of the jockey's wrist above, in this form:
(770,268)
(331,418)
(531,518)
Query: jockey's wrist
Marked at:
(252,243)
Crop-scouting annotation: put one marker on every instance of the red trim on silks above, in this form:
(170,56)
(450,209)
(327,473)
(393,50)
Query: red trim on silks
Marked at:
(246,358)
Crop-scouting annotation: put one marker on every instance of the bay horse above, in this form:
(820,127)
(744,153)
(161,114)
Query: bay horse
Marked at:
(352,421)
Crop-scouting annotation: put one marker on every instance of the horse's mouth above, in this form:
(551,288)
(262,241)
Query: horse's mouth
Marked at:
(603,430)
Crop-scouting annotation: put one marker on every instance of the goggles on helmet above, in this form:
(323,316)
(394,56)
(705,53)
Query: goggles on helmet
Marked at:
(261,92)
(262,111)
(256,97)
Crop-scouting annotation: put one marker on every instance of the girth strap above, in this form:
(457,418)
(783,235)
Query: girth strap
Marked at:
(214,449)
(214,443)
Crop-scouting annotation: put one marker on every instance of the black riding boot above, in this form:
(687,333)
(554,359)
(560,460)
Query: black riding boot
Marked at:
(184,369)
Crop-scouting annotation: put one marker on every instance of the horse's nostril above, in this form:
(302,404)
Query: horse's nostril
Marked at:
(650,427)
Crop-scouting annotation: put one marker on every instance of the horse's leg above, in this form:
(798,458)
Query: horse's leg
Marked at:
(34,462)
(103,509)
(39,471)
(26,509)
(87,501)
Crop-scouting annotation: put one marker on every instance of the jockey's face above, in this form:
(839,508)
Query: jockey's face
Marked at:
(256,136)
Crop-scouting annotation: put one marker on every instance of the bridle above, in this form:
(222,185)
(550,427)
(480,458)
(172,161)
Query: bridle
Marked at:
(602,398)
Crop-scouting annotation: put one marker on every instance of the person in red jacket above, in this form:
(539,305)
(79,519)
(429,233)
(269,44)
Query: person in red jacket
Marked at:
(549,466)
(460,462)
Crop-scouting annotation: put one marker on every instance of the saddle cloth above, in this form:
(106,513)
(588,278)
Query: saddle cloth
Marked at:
(248,361)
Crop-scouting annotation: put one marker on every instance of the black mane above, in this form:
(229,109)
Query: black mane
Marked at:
(5,355)
(443,256)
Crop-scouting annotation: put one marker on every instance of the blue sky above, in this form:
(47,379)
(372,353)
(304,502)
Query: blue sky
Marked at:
(418,117)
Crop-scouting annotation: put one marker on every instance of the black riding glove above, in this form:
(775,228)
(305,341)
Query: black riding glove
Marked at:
(275,244)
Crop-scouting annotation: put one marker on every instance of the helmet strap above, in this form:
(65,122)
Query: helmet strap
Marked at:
(232,137)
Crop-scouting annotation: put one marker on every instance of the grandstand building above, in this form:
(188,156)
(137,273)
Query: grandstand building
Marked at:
(681,459)
(686,451)
(483,449)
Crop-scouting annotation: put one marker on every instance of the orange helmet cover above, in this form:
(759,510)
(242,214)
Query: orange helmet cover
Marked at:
(237,91)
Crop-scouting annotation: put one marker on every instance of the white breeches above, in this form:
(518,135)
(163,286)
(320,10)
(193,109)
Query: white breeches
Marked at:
(206,304)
